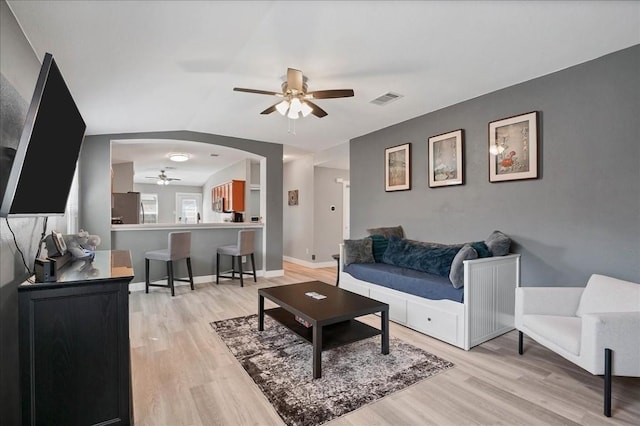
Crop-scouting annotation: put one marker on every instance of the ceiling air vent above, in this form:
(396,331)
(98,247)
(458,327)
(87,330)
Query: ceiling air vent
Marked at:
(386,98)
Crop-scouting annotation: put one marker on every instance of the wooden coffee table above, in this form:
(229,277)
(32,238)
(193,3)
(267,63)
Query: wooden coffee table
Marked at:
(332,319)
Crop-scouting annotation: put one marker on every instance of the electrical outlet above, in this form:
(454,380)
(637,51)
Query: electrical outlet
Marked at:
(244,259)
(313,257)
(307,251)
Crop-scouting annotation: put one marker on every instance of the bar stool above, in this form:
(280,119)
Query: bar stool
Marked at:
(179,248)
(246,239)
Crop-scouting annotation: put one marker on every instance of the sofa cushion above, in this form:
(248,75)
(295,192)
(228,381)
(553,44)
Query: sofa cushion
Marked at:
(380,244)
(498,243)
(607,294)
(431,259)
(388,232)
(456,275)
(358,251)
(481,248)
(563,332)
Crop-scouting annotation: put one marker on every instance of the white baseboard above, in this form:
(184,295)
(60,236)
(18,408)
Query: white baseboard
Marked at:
(306,264)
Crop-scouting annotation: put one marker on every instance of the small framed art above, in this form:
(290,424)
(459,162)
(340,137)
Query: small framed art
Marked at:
(397,168)
(293,197)
(513,148)
(445,159)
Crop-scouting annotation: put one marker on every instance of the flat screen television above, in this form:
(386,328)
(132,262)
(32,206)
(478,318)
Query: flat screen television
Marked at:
(45,160)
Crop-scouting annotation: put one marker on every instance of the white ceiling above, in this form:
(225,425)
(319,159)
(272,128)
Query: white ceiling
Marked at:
(136,66)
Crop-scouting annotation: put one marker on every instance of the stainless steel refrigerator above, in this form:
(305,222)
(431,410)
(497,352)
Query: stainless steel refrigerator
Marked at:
(126,207)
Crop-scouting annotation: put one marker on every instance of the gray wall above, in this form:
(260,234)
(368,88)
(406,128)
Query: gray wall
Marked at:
(19,68)
(582,216)
(167,198)
(327,224)
(95,158)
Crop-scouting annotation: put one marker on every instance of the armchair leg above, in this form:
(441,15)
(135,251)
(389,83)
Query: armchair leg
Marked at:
(607,382)
(520,339)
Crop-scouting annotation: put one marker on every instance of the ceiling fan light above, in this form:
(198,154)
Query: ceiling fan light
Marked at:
(292,114)
(160,182)
(179,157)
(296,106)
(282,107)
(305,109)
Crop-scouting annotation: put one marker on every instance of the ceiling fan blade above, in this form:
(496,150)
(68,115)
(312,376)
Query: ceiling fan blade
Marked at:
(316,110)
(259,92)
(294,79)
(329,94)
(270,109)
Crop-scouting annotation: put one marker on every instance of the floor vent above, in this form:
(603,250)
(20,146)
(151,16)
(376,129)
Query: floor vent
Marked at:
(386,98)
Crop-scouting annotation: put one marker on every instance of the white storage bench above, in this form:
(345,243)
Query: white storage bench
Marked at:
(487,310)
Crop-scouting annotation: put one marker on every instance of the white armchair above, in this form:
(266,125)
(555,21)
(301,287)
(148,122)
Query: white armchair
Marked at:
(596,327)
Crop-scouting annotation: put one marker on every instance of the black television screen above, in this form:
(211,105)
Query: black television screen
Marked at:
(45,159)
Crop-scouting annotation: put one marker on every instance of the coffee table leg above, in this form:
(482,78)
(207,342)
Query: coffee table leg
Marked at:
(317,352)
(384,318)
(260,313)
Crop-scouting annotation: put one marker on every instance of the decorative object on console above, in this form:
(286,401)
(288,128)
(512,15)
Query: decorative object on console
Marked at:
(397,168)
(82,245)
(445,159)
(278,361)
(513,148)
(293,197)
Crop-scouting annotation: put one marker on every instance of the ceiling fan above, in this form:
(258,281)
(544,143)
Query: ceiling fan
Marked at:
(162,178)
(297,101)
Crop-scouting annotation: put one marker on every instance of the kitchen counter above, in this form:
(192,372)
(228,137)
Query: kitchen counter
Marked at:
(186,226)
(205,239)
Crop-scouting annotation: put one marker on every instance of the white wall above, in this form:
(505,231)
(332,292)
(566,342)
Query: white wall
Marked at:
(167,198)
(298,220)
(327,223)
(122,177)
(240,171)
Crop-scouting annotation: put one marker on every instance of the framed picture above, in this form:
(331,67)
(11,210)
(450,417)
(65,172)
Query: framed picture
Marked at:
(397,168)
(293,197)
(445,159)
(513,148)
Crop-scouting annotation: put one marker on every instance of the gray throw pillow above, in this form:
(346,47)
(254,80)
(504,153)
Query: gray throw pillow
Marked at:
(498,243)
(456,276)
(358,251)
(388,232)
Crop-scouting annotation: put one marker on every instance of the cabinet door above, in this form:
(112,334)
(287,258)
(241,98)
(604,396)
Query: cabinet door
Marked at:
(238,195)
(74,349)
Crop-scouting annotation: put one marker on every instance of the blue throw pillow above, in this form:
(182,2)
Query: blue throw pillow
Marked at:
(431,259)
(380,244)
(481,248)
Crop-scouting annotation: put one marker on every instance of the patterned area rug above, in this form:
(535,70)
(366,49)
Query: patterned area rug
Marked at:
(279,362)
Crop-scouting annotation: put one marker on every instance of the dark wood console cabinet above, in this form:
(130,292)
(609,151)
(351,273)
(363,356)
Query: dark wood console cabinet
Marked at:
(75,365)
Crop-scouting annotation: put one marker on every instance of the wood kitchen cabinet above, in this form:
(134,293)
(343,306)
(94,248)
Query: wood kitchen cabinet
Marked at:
(232,195)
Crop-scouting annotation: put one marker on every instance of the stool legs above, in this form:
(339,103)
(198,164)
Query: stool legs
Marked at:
(170,277)
(240,270)
(190,272)
(253,267)
(146,275)
(217,268)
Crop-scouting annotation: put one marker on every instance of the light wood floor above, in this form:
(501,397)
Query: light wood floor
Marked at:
(184,375)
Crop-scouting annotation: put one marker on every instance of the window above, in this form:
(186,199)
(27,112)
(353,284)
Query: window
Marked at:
(188,207)
(149,208)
